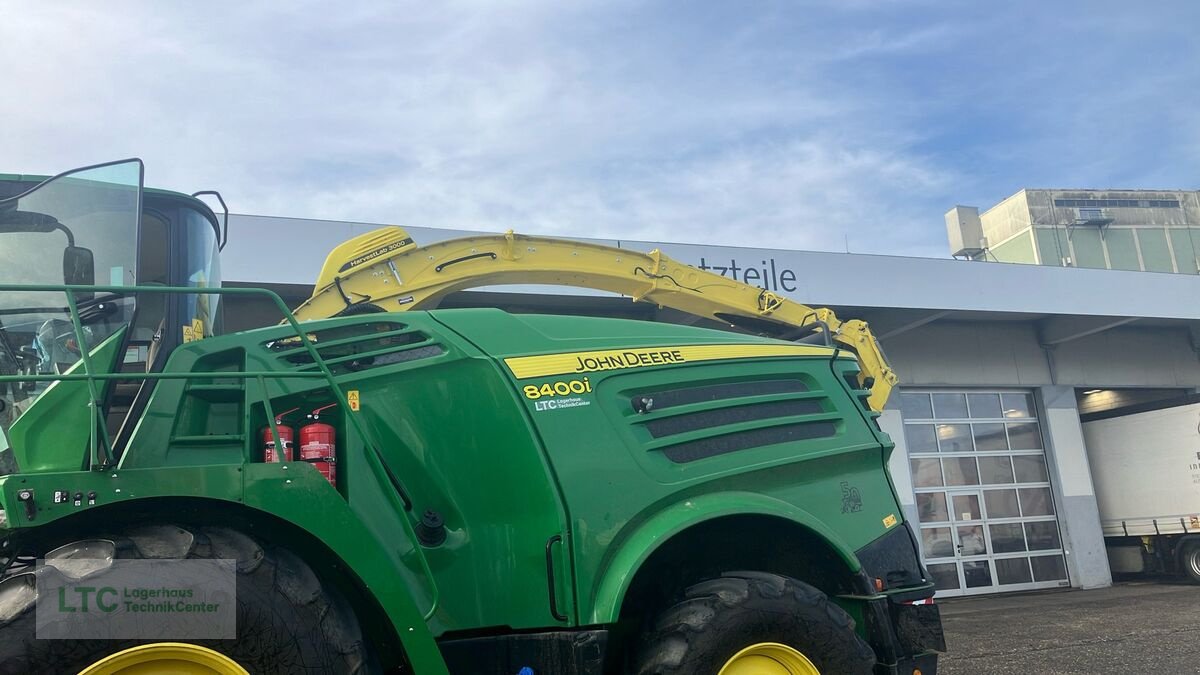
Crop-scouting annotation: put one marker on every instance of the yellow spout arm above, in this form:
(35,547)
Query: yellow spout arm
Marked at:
(384,270)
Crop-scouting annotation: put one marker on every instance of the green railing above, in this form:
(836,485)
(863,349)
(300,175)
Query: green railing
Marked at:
(99,434)
(100,443)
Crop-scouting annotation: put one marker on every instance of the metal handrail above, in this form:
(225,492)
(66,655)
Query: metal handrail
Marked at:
(374,461)
(101,442)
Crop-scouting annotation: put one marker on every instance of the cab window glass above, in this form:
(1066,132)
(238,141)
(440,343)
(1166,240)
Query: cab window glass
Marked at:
(203,270)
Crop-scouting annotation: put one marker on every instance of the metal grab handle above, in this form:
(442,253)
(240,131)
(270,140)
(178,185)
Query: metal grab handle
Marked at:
(556,539)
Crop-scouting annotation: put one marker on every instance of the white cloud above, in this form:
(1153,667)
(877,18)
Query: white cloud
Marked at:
(782,125)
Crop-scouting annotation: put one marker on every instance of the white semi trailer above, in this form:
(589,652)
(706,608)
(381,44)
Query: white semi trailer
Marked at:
(1146,470)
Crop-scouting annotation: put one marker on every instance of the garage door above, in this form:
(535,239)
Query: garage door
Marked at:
(987,516)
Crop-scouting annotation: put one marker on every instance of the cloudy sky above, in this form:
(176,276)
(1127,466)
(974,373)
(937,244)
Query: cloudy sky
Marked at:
(804,124)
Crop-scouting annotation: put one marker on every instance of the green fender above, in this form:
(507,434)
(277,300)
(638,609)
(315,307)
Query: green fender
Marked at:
(640,544)
(254,489)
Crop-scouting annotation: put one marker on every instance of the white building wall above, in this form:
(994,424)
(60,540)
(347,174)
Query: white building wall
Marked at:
(1129,357)
(969,354)
(893,424)
(1074,494)
(1001,353)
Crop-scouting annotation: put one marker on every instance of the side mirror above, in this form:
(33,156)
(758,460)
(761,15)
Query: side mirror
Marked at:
(79,268)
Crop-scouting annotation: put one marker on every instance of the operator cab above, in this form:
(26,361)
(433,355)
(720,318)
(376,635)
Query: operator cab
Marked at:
(96,226)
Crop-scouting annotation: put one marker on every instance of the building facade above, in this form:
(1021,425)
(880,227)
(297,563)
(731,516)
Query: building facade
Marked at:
(1143,230)
(998,365)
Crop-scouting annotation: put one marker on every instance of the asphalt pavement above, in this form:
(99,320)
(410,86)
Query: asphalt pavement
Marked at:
(1136,627)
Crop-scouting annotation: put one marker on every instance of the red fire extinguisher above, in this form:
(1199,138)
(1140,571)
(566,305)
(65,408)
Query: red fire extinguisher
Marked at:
(286,436)
(317,445)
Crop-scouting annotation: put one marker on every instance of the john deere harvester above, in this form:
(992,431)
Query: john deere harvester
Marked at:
(406,489)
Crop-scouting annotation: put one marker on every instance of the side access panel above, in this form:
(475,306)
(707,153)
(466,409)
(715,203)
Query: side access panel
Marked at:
(449,426)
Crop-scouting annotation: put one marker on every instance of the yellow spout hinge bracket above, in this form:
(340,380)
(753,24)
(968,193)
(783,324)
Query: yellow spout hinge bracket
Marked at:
(509,252)
(652,275)
(768,302)
(875,373)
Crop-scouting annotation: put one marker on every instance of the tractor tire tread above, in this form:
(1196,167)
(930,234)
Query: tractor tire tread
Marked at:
(277,593)
(677,642)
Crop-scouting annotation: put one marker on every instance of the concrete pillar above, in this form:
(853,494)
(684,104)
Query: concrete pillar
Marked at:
(1071,478)
(892,423)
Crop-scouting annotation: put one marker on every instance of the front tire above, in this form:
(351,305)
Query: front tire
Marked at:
(743,619)
(287,620)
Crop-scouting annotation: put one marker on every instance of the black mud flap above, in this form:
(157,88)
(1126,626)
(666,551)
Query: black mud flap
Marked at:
(918,628)
(905,636)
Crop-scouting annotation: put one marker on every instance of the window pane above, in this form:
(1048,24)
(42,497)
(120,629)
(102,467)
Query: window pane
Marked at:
(966,507)
(931,507)
(1089,248)
(995,470)
(1013,571)
(1048,568)
(990,437)
(1025,436)
(954,437)
(1043,535)
(945,576)
(1155,254)
(1036,502)
(920,437)
(1001,503)
(1051,249)
(926,472)
(978,574)
(1122,254)
(1017,405)
(915,407)
(970,540)
(950,406)
(1007,538)
(936,542)
(984,405)
(1030,468)
(960,471)
(1185,252)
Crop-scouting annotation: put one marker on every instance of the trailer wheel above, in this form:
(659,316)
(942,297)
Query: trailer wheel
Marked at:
(754,622)
(287,620)
(1189,560)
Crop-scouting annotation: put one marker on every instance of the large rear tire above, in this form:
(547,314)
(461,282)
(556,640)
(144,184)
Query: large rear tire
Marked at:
(753,622)
(287,620)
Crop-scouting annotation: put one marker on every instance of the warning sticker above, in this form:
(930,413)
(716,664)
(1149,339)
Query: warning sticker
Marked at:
(352,399)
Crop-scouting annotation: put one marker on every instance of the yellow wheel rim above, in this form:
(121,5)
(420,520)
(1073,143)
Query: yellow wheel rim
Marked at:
(769,658)
(165,658)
